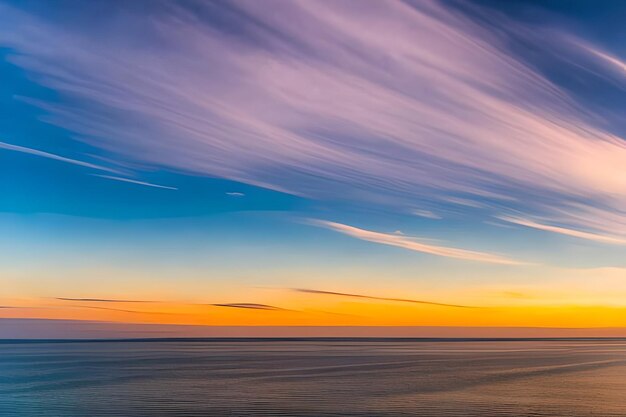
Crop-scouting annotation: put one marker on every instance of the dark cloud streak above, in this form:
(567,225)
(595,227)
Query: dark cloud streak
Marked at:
(252,306)
(123,310)
(369,297)
(104,300)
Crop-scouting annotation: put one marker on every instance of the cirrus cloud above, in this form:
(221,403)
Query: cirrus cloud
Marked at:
(389,102)
(412,244)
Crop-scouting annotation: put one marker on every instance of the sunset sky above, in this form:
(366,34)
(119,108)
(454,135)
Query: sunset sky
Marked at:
(313,163)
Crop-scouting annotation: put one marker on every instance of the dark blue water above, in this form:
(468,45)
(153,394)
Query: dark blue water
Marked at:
(313,378)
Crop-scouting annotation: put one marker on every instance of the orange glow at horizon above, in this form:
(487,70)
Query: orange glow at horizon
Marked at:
(325,313)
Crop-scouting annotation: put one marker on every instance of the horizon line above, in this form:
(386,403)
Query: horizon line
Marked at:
(305,339)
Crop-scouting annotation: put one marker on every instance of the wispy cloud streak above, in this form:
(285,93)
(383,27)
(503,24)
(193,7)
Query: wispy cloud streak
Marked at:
(255,306)
(426,213)
(611,60)
(252,306)
(121,310)
(564,231)
(370,297)
(49,155)
(103,300)
(409,243)
(147,184)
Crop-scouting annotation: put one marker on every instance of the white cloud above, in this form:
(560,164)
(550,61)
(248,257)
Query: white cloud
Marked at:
(147,184)
(48,155)
(409,243)
(425,213)
(564,231)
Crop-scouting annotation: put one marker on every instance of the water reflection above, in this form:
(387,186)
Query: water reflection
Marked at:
(313,378)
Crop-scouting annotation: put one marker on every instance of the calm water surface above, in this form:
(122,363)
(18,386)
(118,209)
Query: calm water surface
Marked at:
(314,378)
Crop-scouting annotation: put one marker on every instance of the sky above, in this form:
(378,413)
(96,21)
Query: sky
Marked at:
(457,164)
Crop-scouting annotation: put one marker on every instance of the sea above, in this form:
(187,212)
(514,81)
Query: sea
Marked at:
(313,377)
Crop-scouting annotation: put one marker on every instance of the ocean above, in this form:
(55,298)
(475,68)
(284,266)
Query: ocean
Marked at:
(313,377)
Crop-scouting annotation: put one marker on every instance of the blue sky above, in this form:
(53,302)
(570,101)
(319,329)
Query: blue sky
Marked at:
(419,147)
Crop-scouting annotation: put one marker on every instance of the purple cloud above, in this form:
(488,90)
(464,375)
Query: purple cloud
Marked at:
(386,102)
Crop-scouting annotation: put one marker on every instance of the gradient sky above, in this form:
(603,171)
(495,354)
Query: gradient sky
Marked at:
(314,163)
